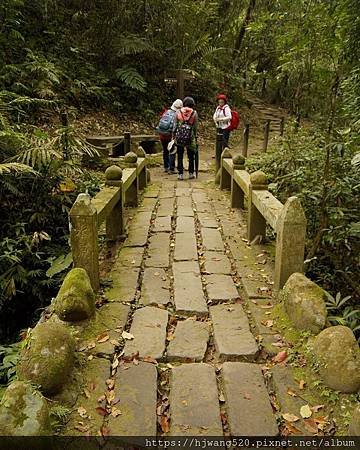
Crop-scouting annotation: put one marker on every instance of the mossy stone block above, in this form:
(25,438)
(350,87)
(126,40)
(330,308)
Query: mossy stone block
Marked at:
(113,173)
(49,357)
(76,299)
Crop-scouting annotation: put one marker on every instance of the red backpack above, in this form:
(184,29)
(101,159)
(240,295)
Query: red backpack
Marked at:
(235,120)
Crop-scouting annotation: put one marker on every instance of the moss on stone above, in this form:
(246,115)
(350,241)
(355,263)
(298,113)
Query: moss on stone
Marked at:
(130,157)
(238,160)
(23,411)
(76,299)
(49,357)
(338,355)
(304,302)
(113,173)
(258,178)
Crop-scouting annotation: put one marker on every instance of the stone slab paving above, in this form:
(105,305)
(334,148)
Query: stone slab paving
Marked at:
(158,251)
(183,192)
(212,239)
(137,237)
(194,404)
(185,247)
(147,204)
(207,221)
(220,288)
(185,211)
(93,378)
(124,284)
(152,191)
(247,402)
(155,288)
(232,335)
(199,196)
(216,263)
(149,331)
(186,267)
(130,256)
(166,206)
(136,387)
(141,219)
(204,207)
(185,225)
(188,294)
(184,201)
(162,224)
(189,342)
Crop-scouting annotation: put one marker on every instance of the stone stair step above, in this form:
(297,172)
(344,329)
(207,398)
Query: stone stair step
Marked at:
(232,335)
(136,387)
(194,404)
(247,402)
(149,331)
(190,341)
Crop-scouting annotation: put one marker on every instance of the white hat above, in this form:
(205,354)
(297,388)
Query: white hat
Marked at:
(178,104)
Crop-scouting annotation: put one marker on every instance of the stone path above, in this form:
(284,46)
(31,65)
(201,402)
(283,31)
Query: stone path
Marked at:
(191,297)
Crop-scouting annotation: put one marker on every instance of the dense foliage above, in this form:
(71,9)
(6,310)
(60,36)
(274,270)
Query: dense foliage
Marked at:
(57,55)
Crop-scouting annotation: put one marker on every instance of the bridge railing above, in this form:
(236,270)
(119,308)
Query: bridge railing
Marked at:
(121,189)
(288,221)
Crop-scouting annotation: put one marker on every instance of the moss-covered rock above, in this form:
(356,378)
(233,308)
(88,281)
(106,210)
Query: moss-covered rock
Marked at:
(238,160)
(338,355)
(258,178)
(23,411)
(76,299)
(49,357)
(113,173)
(354,427)
(304,302)
(130,157)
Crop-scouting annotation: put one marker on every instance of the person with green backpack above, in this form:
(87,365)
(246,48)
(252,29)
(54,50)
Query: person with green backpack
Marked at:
(185,136)
(165,130)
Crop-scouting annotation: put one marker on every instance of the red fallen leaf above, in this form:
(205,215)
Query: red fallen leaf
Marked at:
(101,411)
(247,396)
(149,359)
(290,429)
(280,357)
(91,386)
(223,418)
(104,430)
(164,423)
(301,384)
(311,425)
(316,408)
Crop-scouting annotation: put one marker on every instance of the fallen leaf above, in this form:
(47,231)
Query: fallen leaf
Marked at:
(104,430)
(291,392)
(103,337)
(91,345)
(280,357)
(115,363)
(115,412)
(90,357)
(86,393)
(114,342)
(268,323)
(110,395)
(100,410)
(149,359)
(82,429)
(164,423)
(110,383)
(184,402)
(311,425)
(82,412)
(91,386)
(305,412)
(170,337)
(316,408)
(290,429)
(301,384)
(247,396)
(290,417)
(222,398)
(127,335)
(101,398)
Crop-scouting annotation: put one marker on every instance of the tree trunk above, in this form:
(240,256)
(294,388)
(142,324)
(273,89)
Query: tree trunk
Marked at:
(246,21)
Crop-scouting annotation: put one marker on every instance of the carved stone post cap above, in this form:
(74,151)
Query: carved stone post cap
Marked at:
(113,173)
(82,206)
(130,157)
(226,153)
(140,152)
(238,160)
(258,178)
(83,198)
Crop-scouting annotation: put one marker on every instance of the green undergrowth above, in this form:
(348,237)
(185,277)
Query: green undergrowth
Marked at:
(337,405)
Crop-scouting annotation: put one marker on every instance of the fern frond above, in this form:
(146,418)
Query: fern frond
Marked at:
(132,45)
(131,78)
(14,167)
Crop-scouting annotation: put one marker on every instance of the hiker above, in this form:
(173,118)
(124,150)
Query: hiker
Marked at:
(222,119)
(185,135)
(165,130)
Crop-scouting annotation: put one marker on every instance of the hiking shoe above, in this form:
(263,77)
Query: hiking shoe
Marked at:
(166,170)
(171,172)
(180,176)
(191,176)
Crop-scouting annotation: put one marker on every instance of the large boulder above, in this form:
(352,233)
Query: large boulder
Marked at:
(48,358)
(304,302)
(354,427)
(338,355)
(76,299)
(23,411)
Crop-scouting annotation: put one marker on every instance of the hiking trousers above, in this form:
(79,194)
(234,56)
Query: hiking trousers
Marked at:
(169,160)
(191,157)
(225,137)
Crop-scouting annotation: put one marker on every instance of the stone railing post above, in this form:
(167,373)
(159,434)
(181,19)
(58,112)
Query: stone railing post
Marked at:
(115,220)
(266,135)
(142,174)
(84,238)
(127,142)
(290,242)
(225,176)
(246,140)
(131,195)
(237,195)
(256,222)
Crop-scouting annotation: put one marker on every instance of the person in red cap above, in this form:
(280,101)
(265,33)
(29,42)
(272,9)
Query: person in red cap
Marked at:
(222,119)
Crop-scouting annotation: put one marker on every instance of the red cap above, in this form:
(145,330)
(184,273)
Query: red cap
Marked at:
(221,97)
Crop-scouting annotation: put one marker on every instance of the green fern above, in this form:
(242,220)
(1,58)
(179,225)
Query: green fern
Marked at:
(132,45)
(14,167)
(131,78)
